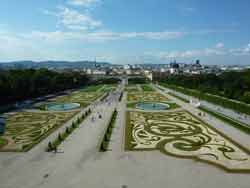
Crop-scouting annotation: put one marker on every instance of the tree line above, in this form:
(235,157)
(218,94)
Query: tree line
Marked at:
(17,85)
(232,85)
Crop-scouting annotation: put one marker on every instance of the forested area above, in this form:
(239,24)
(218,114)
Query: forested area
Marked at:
(232,85)
(138,80)
(16,85)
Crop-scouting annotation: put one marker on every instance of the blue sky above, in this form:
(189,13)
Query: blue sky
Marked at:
(126,31)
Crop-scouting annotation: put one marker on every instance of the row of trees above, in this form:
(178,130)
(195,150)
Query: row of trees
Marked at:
(16,85)
(138,80)
(238,106)
(232,85)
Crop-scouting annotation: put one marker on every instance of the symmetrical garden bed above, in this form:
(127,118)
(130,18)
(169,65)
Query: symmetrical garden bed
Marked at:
(146,96)
(181,134)
(25,129)
(84,98)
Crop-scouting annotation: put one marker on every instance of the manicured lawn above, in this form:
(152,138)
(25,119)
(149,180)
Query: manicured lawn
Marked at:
(132,88)
(84,98)
(147,87)
(178,97)
(3,142)
(92,88)
(146,96)
(228,120)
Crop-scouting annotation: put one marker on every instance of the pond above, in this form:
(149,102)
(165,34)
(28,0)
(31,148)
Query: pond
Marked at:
(62,106)
(152,106)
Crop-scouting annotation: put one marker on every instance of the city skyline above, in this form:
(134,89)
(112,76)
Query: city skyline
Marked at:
(126,32)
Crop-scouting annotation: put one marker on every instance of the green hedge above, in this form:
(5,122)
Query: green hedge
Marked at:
(120,98)
(107,136)
(227,103)
(228,120)
(52,145)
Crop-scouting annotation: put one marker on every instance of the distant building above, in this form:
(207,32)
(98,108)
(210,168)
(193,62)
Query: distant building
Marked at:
(174,68)
(99,72)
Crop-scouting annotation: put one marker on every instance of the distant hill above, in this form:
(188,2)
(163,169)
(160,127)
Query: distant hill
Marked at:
(52,64)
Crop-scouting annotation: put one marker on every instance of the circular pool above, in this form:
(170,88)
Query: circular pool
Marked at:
(62,106)
(152,106)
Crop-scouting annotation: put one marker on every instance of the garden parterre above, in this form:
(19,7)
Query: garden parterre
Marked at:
(25,129)
(146,96)
(181,134)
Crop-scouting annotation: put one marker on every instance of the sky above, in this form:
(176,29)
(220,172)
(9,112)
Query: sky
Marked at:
(126,31)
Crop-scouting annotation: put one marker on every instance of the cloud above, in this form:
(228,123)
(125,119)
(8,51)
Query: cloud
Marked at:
(84,3)
(241,51)
(188,10)
(101,36)
(218,50)
(220,45)
(72,19)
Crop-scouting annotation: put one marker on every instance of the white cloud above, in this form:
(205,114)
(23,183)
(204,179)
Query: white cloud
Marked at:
(85,3)
(241,51)
(101,36)
(218,50)
(74,20)
(220,45)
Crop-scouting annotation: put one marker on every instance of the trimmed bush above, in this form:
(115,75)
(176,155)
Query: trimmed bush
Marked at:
(227,103)
(61,137)
(108,133)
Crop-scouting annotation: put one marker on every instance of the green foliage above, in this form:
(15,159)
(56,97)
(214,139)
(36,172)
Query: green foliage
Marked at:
(232,85)
(102,81)
(67,130)
(3,142)
(178,97)
(61,137)
(227,103)
(18,85)
(228,120)
(108,133)
(78,121)
(73,125)
(146,87)
(138,80)
(121,95)
(50,147)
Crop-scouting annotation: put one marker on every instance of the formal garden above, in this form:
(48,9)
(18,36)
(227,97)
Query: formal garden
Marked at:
(183,135)
(25,129)
(28,127)
(146,96)
(176,132)
(133,88)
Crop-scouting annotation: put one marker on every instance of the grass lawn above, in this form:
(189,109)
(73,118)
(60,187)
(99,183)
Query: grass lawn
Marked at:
(132,88)
(92,88)
(3,142)
(228,120)
(178,97)
(83,98)
(147,87)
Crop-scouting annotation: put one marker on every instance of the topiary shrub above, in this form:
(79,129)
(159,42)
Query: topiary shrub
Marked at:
(60,137)
(67,130)
(50,146)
